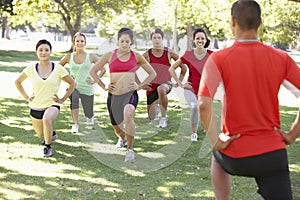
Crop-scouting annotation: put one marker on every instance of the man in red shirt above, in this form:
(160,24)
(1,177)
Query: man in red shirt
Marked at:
(251,143)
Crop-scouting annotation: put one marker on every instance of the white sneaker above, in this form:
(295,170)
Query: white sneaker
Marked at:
(121,143)
(194,137)
(129,157)
(75,128)
(163,122)
(90,121)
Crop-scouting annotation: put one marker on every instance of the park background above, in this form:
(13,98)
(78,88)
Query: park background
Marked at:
(80,168)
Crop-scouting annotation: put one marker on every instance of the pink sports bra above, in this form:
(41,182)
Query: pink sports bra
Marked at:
(116,65)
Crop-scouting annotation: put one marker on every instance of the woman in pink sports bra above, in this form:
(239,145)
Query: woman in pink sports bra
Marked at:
(122,89)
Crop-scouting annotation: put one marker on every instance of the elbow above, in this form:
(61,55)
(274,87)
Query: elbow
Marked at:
(205,104)
(154,74)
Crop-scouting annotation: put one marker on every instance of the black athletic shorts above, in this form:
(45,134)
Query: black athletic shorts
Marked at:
(38,114)
(154,95)
(270,170)
(117,103)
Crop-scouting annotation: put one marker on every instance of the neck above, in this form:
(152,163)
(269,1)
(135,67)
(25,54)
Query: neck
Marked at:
(45,63)
(123,51)
(246,35)
(80,51)
(200,51)
(158,48)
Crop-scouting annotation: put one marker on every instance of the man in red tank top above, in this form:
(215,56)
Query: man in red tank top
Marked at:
(159,57)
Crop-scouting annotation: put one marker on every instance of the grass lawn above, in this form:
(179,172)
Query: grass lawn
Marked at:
(87,166)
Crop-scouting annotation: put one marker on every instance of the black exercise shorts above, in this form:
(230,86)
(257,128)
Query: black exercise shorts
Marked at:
(270,170)
(154,95)
(38,114)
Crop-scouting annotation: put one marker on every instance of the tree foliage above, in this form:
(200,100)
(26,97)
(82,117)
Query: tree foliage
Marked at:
(281,18)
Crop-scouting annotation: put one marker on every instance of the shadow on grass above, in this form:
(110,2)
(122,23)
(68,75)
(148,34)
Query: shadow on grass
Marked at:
(73,173)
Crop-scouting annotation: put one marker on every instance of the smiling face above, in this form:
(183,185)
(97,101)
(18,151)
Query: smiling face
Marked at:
(200,40)
(124,42)
(157,40)
(43,52)
(79,42)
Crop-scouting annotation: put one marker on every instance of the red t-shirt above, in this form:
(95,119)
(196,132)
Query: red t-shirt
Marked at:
(161,66)
(195,68)
(252,74)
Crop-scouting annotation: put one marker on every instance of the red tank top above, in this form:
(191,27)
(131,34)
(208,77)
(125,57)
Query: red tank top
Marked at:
(195,68)
(116,65)
(161,66)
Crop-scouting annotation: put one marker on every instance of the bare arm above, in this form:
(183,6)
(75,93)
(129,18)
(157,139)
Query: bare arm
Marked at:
(20,87)
(290,136)
(148,68)
(65,60)
(99,66)
(172,70)
(176,58)
(209,122)
(146,56)
(68,79)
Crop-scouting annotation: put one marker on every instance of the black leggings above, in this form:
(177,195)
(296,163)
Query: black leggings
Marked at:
(270,170)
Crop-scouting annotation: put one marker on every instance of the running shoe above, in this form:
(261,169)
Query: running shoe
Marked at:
(163,122)
(129,157)
(47,151)
(194,137)
(90,121)
(75,128)
(121,143)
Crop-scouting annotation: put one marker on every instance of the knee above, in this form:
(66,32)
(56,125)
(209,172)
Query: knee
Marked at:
(194,107)
(129,111)
(161,90)
(46,120)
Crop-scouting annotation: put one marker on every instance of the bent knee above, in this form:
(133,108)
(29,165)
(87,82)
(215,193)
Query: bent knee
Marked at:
(129,110)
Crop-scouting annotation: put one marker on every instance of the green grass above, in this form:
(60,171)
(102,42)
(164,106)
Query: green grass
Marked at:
(16,61)
(167,165)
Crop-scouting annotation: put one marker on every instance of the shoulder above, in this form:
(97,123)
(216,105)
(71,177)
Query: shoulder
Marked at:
(29,68)
(65,59)
(61,70)
(137,54)
(172,53)
(93,57)
(106,57)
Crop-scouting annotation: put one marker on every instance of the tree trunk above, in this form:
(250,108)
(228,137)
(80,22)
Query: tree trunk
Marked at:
(66,15)
(189,39)
(175,42)
(216,43)
(5,28)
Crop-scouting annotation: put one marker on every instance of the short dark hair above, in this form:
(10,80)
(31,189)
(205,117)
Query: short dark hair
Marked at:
(39,43)
(247,13)
(156,30)
(126,31)
(201,30)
